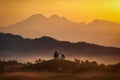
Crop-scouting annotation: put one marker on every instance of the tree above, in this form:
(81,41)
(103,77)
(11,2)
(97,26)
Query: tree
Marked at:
(87,62)
(38,61)
(77,60)
(56,55)
(63,56)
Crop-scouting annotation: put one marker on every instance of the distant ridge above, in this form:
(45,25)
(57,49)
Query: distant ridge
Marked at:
(16,45)
(98,31)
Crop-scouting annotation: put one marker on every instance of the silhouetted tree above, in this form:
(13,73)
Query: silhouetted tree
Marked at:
(56,55)
(82,62)
(29,63)
(77,60)
(94,63)
(87,62)
(44,60)
(12,62)
(38,61)
(63,56)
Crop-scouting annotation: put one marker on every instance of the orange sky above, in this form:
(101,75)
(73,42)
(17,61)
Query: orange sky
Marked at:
(12,11)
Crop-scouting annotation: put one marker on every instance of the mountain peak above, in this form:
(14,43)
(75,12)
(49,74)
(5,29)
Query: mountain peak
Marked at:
(55,16)
(46,38)
(38,16)
(58,18)
(99,21)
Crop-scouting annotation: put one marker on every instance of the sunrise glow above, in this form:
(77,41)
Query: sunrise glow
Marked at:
(12,11)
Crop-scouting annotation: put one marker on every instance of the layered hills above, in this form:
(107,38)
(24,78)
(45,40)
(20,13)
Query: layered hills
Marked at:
(17,46)
(98,31)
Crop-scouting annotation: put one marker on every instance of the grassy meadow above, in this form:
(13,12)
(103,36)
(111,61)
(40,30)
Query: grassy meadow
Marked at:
(58,70)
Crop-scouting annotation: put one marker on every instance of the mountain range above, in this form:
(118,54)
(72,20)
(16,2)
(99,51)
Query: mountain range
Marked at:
(17,46)
(98,31)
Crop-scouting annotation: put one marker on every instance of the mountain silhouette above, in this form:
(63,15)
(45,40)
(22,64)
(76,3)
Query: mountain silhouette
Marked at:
(98,31)
(17,46)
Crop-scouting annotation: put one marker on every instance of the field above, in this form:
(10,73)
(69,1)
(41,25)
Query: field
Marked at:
(59,76)
(58,70)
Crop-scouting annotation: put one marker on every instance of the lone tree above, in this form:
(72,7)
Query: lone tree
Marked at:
(56,55)
(63,56)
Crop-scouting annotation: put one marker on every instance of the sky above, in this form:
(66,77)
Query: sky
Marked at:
(13,11)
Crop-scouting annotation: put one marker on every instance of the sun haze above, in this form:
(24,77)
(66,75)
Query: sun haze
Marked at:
(12,11)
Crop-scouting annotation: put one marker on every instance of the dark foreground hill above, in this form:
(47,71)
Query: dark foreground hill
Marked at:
(14,45)
(57,65)
(58,69)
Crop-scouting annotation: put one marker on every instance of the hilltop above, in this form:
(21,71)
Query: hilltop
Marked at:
(56,65)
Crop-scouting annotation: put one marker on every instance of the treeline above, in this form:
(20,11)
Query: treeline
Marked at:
(94,66)
(10,65)
(80,66)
